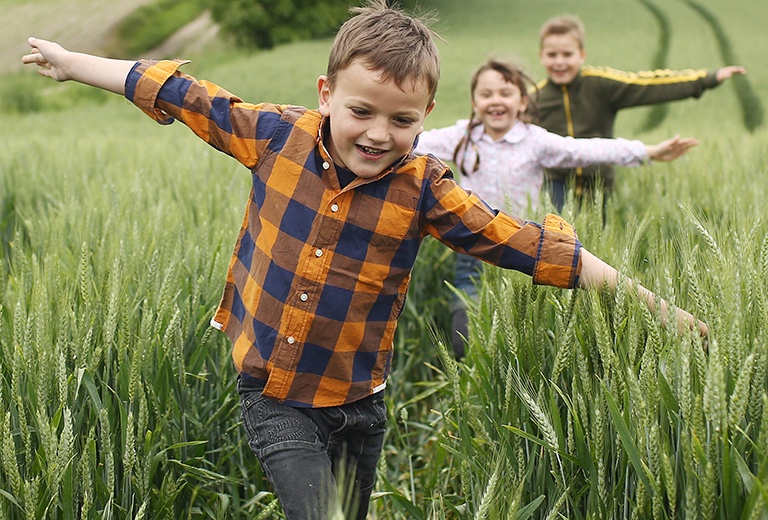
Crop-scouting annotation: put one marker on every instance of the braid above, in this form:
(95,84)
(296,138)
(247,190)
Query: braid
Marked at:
(463,145)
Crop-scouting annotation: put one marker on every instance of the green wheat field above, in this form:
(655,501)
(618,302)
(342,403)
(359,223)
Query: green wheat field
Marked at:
(117,399)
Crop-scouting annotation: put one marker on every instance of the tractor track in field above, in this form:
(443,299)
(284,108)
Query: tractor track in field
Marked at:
(81,25)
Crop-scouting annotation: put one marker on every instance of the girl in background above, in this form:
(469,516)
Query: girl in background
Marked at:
(502,158)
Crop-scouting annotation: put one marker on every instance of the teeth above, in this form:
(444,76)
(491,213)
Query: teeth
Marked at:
(374,151)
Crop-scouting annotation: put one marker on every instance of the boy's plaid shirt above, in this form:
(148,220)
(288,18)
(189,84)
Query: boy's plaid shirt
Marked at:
(319,274)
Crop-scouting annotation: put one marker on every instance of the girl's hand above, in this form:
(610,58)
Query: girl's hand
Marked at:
(671,148)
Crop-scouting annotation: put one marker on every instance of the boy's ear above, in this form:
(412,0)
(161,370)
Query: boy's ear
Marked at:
(430,107)
(426,113)
(323,95)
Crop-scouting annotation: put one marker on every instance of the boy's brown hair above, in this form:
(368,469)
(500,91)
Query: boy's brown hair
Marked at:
(386,39)
(560,25)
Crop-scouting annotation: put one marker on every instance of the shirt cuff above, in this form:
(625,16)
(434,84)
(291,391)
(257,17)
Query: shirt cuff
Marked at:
(145,80)
(558,259)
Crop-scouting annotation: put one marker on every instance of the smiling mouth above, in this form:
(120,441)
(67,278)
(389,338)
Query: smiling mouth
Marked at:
(370,151)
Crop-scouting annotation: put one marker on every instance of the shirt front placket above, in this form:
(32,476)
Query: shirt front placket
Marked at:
(312,273)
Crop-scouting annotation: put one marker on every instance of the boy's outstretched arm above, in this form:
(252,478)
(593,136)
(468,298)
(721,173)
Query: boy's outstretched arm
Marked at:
(56,62)
(596,274)
(670,149)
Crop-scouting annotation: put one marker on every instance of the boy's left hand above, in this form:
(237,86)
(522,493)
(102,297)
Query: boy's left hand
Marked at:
(727,72)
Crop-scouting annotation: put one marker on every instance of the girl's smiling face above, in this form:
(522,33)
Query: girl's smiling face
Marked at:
(497,103)
(373,122)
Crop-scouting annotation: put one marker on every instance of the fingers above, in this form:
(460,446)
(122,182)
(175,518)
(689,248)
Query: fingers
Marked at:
(35,55)
(688,142)
(737,69)
(673,148)
(703,329)
(728,72)
(46,56)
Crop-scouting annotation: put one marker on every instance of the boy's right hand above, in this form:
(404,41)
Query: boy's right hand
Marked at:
(49,58)
(54,61)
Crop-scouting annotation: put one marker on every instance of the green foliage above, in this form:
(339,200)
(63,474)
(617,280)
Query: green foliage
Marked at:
(151,24)
(260,24)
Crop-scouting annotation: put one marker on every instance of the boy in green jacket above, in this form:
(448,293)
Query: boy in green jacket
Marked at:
(582,101)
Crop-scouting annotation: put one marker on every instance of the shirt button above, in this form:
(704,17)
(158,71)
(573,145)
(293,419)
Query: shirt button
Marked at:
(304,297)
(326,165)
(335,208)
(319,253)
(291,340)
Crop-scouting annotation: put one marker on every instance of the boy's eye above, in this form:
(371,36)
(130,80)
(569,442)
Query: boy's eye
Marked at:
(403,121)
(359,112)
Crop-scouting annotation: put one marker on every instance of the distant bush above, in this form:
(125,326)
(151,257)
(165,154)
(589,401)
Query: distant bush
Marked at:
(266,23)
(151,24)
(263,24)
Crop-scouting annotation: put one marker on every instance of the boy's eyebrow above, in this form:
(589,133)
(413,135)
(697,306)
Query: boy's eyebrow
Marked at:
(414,113)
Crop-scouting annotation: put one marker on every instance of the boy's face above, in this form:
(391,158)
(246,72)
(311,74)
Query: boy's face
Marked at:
(373,123)
(562,57)
(497,102)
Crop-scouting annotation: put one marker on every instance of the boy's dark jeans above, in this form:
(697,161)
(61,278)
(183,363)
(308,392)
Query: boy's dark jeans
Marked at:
(319,460)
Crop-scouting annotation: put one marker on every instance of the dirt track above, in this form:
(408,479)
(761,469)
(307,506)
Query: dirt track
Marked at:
(82,25)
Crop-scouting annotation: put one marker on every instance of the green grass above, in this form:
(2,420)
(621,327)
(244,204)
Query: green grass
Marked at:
(118,399)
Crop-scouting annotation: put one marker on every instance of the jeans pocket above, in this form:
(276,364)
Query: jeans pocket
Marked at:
(271,425)
(378,408)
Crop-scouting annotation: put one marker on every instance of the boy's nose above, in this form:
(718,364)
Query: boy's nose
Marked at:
(378,132)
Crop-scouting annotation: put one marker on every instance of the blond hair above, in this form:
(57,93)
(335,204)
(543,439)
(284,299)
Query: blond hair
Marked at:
(387,40)
(563,25)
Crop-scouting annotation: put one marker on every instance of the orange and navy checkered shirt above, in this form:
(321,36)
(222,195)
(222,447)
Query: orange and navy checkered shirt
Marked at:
(320,272)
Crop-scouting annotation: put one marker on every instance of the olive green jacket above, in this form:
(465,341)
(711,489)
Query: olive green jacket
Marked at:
(587,107)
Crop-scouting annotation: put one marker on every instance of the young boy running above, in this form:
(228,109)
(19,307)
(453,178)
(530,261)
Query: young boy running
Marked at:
(583,101)
(338,207)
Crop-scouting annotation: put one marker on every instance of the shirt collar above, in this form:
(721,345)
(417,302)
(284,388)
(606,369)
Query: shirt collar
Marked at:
(513,136)
(326,155)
